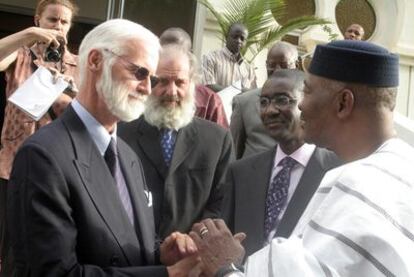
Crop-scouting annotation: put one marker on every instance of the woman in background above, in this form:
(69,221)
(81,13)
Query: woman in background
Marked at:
(20,55)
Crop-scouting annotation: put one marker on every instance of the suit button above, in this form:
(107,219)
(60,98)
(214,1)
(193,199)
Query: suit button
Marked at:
(114,260)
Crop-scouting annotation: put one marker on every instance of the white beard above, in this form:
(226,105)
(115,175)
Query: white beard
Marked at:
(115,95)
(172,118)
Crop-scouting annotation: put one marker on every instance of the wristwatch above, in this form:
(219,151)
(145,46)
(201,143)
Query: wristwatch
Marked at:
(230,270)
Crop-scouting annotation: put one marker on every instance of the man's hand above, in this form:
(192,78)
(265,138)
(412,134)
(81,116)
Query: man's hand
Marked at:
(216,245)
(176,247)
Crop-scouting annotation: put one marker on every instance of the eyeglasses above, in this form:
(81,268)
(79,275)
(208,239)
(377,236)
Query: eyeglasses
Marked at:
(140,72)
(280,65)
(279,101)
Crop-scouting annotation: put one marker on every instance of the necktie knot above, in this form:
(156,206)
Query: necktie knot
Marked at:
(288,163)
(111,155)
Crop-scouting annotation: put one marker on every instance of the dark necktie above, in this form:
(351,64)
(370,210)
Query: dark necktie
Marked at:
(277,195)
(167,145)
(111,158)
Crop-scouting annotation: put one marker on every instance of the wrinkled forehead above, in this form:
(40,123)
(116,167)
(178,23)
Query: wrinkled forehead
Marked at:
(173,64)
(279,86)
(56,10)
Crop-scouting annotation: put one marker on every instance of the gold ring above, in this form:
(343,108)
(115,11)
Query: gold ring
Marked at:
(203,231)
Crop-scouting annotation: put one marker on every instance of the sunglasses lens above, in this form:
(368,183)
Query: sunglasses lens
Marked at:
(154,81)
(141,73)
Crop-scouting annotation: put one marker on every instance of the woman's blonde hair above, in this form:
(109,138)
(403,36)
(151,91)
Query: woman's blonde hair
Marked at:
(41,6)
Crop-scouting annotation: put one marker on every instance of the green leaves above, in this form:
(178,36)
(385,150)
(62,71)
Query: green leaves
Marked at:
(259,16)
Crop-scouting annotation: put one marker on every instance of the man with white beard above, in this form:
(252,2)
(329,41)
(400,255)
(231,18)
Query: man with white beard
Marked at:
(185,158)
(78,202)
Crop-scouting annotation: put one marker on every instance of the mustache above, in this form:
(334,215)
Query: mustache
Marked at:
(169,98)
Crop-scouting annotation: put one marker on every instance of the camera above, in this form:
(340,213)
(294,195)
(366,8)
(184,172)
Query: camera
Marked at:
(54,54)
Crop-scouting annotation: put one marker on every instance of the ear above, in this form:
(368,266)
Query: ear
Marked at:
(36,20)
(95,60)
(345,102)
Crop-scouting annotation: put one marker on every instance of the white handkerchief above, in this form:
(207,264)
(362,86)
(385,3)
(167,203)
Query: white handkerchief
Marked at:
(37,93)
(148,195)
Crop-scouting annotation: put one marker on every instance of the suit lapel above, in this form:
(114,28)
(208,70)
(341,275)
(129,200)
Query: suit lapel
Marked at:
(307,185)
(148,139)
(134,178)
(183,146)
(254,186)
(100,185)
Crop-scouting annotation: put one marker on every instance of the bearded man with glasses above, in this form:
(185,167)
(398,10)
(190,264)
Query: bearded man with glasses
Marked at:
(266,193)
(185,158)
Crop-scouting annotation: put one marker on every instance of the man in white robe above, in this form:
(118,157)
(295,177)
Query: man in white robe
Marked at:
(361,220)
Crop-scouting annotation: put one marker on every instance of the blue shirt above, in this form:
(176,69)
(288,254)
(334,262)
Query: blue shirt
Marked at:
(96,130)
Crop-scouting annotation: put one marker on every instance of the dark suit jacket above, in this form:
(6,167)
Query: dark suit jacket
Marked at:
(246,191)
(191,188)
(65,215)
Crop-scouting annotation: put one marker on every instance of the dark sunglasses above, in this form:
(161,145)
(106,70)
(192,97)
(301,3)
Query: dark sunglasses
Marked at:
(140,72)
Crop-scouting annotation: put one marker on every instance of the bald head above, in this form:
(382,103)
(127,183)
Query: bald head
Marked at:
(176,36)
(354,32)
(282,55)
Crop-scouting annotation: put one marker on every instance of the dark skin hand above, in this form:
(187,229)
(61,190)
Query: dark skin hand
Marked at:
(218,247)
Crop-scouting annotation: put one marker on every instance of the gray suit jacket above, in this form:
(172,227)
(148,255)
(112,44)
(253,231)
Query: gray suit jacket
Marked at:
(191,188)
(249,135)
(246,191)
(64,211)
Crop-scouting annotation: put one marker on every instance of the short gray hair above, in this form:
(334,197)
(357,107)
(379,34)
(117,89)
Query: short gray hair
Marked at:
(112,34)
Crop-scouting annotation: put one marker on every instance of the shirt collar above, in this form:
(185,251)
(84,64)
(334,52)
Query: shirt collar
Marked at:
(302,155)
(96,130)
(231,56)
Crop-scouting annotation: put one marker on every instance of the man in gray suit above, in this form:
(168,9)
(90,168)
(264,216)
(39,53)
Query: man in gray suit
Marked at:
(78,204)
(185,158)
(249,134)
(264,197)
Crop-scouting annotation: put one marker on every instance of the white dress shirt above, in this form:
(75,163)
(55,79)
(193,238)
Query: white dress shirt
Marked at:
(302,156)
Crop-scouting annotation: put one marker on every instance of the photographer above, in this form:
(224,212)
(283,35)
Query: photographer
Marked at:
(20,55)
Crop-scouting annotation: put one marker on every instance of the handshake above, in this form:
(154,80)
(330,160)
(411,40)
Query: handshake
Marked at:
(210,249)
